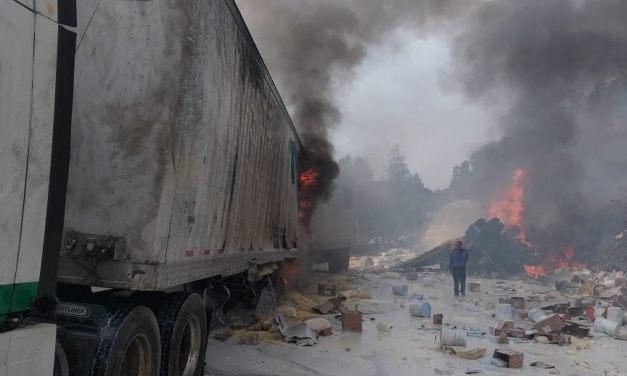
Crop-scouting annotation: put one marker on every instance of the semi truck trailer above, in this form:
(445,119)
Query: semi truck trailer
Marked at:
(334,229)
(148,173)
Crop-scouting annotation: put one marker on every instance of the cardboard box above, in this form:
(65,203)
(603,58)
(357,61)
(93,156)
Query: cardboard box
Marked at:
(518,302)
(326,289)
(552,324)
(513,358)
(351,321)
(509,329)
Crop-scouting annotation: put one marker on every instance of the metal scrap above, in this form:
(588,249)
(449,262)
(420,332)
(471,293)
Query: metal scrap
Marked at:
(301,334)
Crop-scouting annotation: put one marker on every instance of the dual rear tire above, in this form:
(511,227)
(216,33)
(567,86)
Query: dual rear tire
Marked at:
(137,342)
(183,325)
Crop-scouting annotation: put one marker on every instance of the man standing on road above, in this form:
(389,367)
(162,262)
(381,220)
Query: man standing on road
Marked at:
(457,267)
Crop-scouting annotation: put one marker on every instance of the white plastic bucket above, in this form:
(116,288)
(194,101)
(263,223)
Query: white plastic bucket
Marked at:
(615,314)
(452,337)
(537,315)
(605,326)
(420,309)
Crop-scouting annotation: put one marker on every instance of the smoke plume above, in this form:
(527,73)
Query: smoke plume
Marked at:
(553,72)
(312,48)
(558,68)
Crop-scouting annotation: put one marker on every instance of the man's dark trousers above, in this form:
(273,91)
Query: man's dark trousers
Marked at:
(459,278)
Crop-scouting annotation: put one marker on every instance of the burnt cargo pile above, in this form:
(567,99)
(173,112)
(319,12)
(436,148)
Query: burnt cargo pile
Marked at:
(493,248)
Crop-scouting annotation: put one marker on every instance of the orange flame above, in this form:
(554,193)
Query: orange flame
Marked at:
(308,177)
(554,261)
(307,181)
(510,209)
(535,271)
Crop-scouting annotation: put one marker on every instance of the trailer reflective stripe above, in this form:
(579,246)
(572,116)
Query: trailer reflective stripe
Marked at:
(17,297)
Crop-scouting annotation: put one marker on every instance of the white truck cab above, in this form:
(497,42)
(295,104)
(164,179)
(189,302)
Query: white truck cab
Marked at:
(32,37)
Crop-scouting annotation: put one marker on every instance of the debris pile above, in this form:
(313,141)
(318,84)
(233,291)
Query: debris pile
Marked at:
(494,248)
(615,257)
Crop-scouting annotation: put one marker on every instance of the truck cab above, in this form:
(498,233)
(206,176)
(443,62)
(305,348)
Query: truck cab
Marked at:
(36,62)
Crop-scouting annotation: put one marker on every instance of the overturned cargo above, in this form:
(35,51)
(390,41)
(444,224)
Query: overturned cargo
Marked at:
(492,246)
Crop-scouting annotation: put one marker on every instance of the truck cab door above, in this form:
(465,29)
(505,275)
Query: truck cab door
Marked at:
(17,26)
(28,77)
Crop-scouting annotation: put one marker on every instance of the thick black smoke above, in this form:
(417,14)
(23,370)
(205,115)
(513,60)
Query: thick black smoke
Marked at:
(554,72)
(311,47)
(559,69)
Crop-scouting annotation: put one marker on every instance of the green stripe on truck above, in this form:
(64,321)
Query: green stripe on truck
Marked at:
(16,298)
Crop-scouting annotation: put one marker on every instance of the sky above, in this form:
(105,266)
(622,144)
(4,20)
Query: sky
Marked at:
(399,96)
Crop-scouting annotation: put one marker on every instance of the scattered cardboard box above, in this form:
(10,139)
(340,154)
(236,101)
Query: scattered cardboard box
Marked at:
(326,289)
(351,320)
(552,324)
(514,359)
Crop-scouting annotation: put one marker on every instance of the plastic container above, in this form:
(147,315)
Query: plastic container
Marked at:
(420,309)
(537,315)
(615,314)
(505,311)
(605,326)
(452,337)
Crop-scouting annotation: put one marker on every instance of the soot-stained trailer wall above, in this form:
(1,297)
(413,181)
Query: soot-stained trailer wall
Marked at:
(183,155)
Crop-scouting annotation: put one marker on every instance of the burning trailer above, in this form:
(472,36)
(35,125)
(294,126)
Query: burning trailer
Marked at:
(493,247)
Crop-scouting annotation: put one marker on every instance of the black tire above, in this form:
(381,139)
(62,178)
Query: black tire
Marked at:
(61,364)
(183,323)
(129,344)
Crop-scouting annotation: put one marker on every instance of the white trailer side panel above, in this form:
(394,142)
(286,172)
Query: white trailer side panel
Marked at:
(182,151)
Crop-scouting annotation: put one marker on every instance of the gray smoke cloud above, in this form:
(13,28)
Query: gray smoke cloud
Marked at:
(559,68)
(555,72)
(313,46)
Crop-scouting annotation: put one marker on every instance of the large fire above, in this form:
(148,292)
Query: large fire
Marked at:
(554,261)
(510,210)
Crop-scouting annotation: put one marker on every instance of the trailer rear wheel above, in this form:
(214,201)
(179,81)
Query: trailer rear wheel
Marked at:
(183,323)
(129,344)
(338,261)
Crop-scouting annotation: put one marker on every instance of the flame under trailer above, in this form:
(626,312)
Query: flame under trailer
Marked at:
(147,174)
